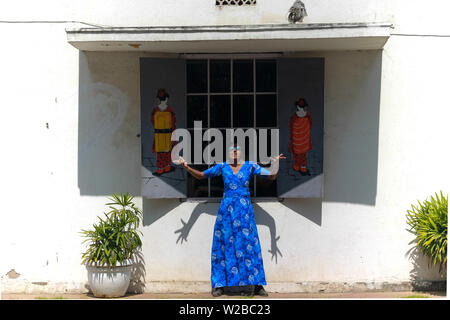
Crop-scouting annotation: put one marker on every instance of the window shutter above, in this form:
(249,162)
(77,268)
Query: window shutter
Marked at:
(301,78)
(169,74)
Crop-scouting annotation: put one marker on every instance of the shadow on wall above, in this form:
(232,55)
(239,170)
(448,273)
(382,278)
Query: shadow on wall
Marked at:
(109,148)
(309,208)
(352,113)
(108,126)
(150,207)
(154,209)
(137,279)
(423,270)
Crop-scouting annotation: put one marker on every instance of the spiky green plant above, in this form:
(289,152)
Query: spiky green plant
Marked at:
(428,222)
(115,238)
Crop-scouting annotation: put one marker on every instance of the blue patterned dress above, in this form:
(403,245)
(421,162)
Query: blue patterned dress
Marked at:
(236,252)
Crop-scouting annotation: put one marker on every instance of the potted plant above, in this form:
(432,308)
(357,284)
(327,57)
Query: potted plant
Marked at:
(428,221)
(113,245)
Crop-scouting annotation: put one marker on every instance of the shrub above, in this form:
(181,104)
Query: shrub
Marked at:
(115,238)
(428,222)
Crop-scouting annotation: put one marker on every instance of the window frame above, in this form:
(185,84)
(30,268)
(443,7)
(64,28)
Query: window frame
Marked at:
(254,93)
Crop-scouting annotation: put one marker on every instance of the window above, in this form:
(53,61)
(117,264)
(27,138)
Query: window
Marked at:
(235,2)
(231,93)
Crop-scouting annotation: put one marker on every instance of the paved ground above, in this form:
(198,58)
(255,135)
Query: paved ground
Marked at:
(354,295)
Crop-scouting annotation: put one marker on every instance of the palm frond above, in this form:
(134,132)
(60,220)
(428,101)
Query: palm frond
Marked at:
(115,237)
(428,221)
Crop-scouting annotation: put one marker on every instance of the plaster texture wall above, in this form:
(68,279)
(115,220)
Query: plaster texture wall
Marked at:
(193,12)
(70,123)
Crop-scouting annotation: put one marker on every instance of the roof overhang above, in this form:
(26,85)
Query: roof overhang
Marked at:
(238,38)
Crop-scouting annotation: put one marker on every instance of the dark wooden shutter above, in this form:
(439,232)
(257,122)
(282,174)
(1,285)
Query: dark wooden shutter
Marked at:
(154,74)
(301,78)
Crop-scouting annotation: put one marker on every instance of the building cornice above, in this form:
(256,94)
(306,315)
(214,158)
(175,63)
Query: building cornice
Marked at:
(194,38)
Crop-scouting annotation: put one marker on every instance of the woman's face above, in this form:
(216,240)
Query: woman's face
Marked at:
(235,152)
(163,103)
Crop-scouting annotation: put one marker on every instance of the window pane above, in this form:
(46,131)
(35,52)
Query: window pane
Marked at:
(252,187)
(197,109)
(220,75)
(266,110)
(216,186)
(197,188)
(220,112)
(265,187)
(196,72)
(243,111)
(243,76)
(266,76)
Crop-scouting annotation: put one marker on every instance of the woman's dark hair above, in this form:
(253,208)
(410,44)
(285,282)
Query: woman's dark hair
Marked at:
(162,94)
(301,102)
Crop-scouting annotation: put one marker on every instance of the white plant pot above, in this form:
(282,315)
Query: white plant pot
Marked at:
(109,282)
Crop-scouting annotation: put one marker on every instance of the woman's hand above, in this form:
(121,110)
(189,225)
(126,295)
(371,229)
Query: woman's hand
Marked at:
(181,162)
(274,164)
(195,173)
(277,158)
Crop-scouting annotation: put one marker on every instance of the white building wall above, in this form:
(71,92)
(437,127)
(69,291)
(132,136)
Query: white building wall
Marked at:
(193,12)
(384,147)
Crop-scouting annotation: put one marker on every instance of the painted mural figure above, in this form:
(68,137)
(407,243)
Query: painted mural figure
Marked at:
(164,121)
(300,126)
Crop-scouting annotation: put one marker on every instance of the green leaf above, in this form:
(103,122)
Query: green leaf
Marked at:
(429,222)
(116,236)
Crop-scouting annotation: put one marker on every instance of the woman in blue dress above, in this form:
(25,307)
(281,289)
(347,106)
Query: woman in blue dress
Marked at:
(236,252)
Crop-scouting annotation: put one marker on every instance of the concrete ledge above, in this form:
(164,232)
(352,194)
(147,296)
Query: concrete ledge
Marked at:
(257,28)
(237,38)
(305,287)
(27,287)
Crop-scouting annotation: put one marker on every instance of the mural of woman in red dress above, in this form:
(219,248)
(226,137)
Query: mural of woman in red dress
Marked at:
(300,126)
(164,121)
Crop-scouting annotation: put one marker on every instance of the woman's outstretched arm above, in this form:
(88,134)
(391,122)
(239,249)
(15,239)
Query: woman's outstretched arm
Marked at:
(195,173)
(275,166)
